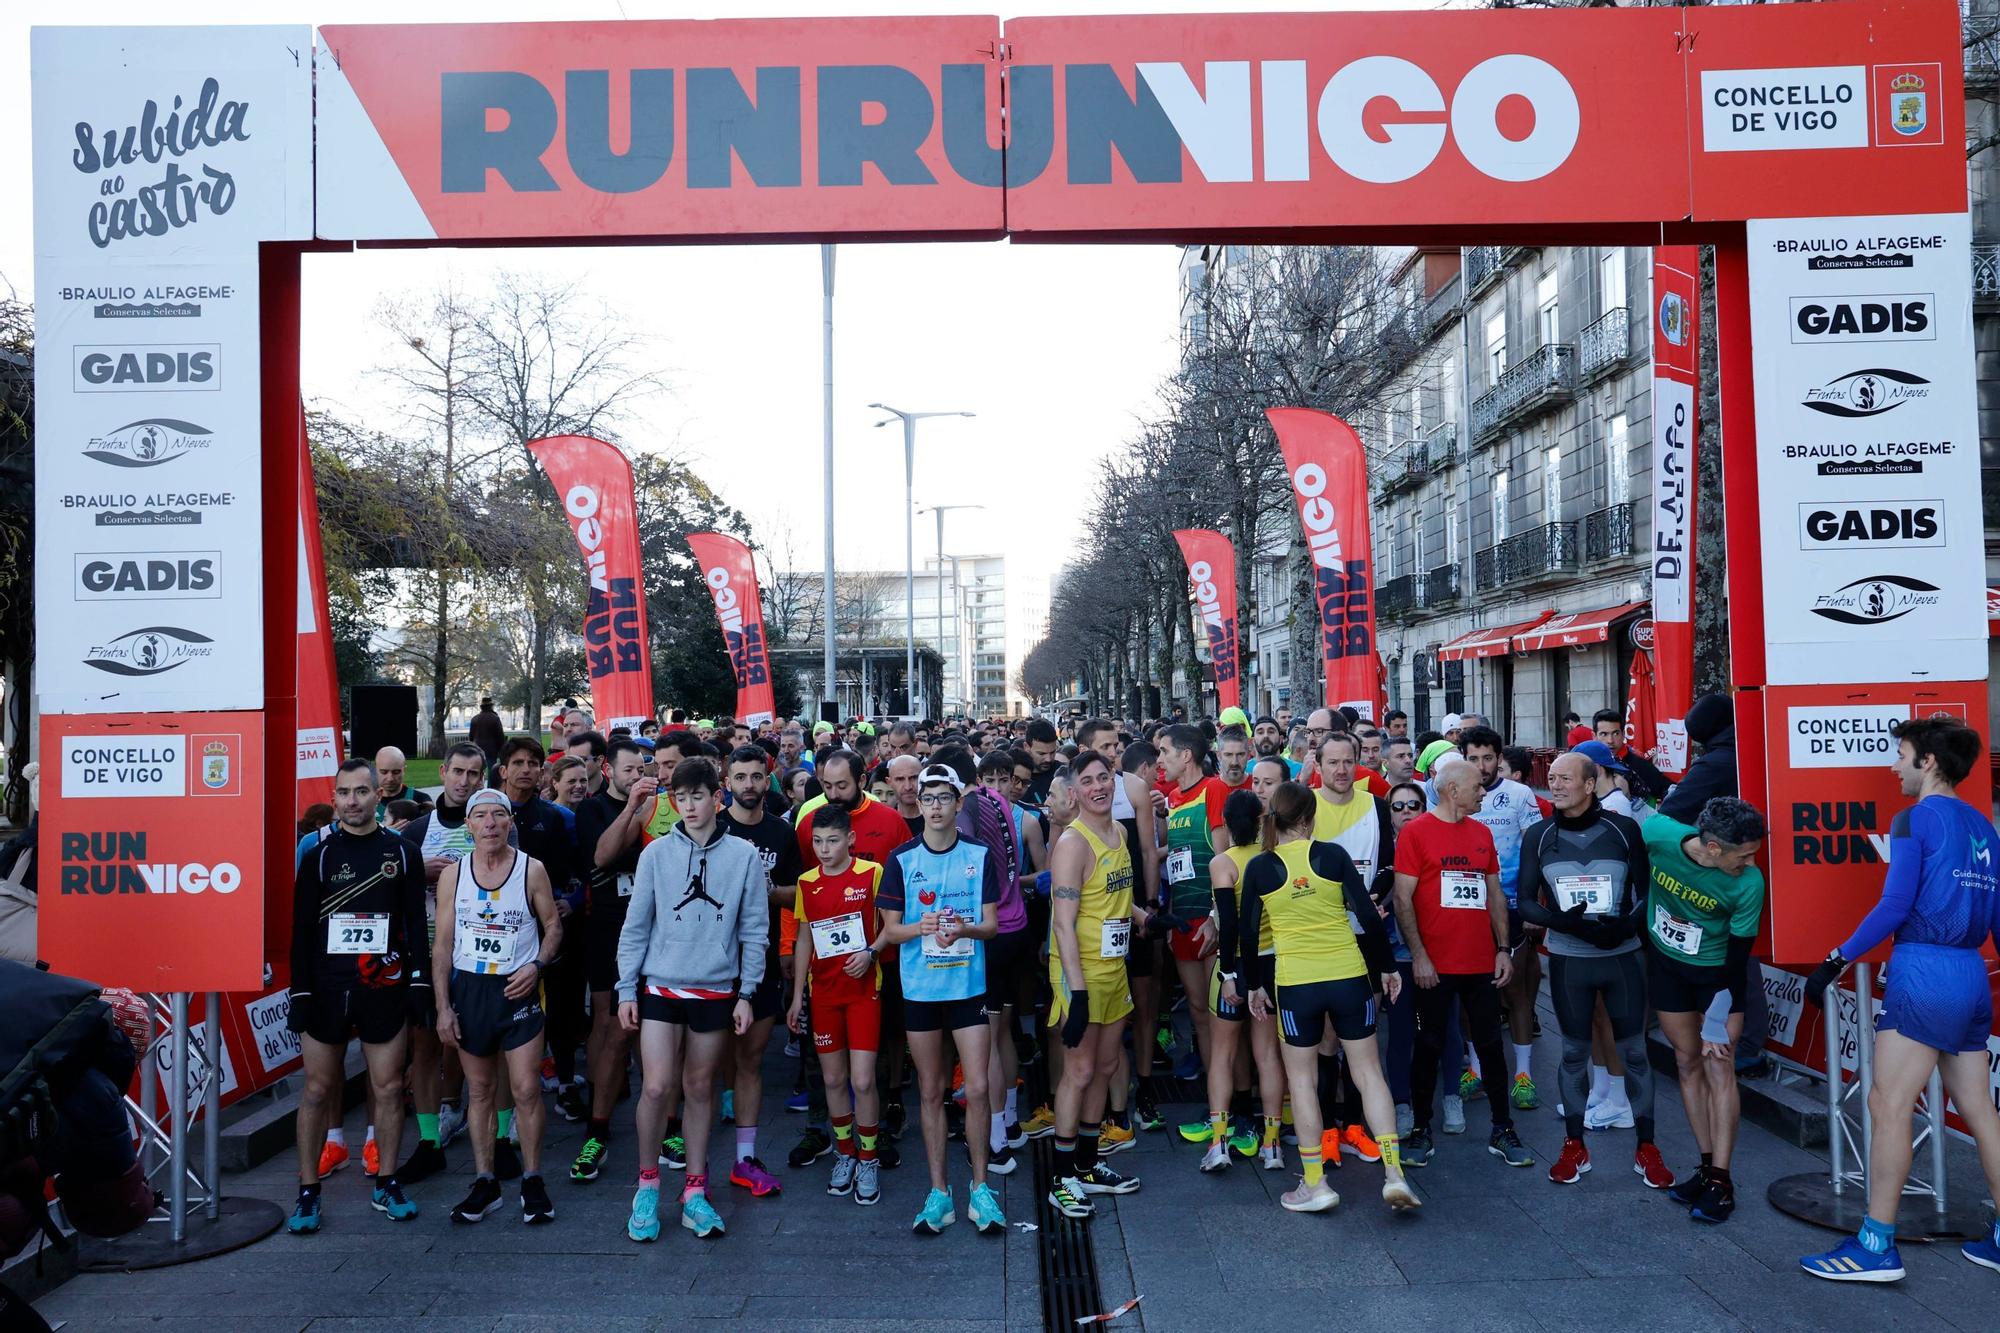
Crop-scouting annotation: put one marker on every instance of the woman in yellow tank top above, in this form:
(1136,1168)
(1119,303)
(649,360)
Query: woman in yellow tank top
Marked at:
(1328,945)
(1243,815)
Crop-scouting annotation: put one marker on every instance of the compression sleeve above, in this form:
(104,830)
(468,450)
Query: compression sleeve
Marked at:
(1225,925)
(1385,855)
(1736,966)
(305,919)
(416,942)
(1261,876)
(1907,848)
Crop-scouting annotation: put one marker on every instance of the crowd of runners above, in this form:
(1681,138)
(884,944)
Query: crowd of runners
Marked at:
(1349,922)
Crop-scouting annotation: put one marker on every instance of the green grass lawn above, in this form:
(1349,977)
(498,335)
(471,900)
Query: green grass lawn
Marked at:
(421,773)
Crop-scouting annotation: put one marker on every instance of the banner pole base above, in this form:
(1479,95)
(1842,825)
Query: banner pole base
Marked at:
(1809,1197)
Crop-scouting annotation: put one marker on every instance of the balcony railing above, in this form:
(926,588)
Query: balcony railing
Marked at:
(1982,49)
(1986,272)
(1486,568)
(1605,343)
(1443,305)
(1539,552)
(1607,534)
(1546,375)
(1441,585)
(1482,262)
(1397,597)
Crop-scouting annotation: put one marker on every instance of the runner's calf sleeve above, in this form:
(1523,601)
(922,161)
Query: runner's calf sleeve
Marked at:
(1574,1081)
(1638,1077)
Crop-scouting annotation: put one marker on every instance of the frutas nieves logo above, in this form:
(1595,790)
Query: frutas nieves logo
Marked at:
(147,443)
(149,651)
(1877,600)
(1866,393)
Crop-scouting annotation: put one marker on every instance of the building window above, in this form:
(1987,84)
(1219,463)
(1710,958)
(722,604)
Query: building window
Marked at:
(1284,663)
(1547,316)
(1451,530)
(1496,344)
(1417,540)
(1499,507)
(1611,279)
(1617,460)
(1552,500)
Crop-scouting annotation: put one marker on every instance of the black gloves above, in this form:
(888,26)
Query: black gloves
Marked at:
(1823,976)
(1077,1019)
(298,1013)
(423,1006)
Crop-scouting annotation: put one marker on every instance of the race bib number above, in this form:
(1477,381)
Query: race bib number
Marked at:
(357,933)
(1680,936)
(1463,889)
(1180,865)
(1593,892)
(839,936)
(624,885)
(490,941)
(1116,939)
(961,947)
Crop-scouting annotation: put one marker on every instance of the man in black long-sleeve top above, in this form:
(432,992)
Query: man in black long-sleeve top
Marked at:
(360,967)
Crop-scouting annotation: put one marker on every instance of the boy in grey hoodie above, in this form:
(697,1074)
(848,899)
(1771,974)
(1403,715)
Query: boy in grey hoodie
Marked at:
(691,952)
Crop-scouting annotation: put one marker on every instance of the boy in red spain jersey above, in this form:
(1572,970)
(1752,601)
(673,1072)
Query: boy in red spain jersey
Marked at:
(835,909)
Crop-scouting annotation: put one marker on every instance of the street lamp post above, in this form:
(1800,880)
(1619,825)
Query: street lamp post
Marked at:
(910,420)
(941,511)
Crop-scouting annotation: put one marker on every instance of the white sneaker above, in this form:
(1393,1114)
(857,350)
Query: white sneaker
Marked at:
(1406,1119)
(1609,1115)
(1271,1158)
(451,1123)
(1454,1114)
(1216,1158)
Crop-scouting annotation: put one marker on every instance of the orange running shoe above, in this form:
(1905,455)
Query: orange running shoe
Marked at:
(1329,1149)
(371,1160)
(332,1157)
(1355,1139)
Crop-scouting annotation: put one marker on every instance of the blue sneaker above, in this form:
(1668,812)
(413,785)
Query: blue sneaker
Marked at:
(798,1101)
(982,1209)
(1851,1261)
(305,1215)
(644,1224)
(937,1214)
(729,1106)
(1189,1069)
(1985,1253)
(390,1199)
(699,1216)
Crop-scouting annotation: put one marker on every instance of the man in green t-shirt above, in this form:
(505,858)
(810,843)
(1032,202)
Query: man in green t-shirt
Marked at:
(1702,908)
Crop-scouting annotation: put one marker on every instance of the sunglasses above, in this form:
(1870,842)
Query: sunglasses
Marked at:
(1406,805)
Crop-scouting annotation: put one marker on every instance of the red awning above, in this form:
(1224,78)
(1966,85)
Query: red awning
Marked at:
(1992,611)
(1493,641)
(1567,631)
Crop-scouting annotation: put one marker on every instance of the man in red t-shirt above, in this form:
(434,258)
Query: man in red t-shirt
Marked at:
(1454,920)
(835,909)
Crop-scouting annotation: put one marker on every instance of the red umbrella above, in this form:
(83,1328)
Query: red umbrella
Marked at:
(1641,720)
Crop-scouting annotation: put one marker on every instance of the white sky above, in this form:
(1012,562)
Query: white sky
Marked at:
(1057,349)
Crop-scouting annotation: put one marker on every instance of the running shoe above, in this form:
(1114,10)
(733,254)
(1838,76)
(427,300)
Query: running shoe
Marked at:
(1271,1158)
(1985,1253)
(1717,1202)
(982,1209)
(812,1145)
(1506,1145)
(1215,1159)
(798,1101)
(391,1200)
(506,1160)
(729,1106)
(1101,1179)
(1189,1069)
(1524,1095)
(937,1214)
(1145,1115)
(426,1161)
(1648,1166)
(1197,1131)
(590,1161)
(570,1104)
(1399,1196)
(1067,1196)
(1573,1163)
(537,1209)
(673,1153)
(479,1201)
(1417,1148)
(699,1216)
(644,1224)
(1114,1138)
(1470,1085)
(749,1174)
(1608,1114)
(1245,1142)
(1406,1118)
(332,1156)
(1016,1136)
(895,1119)
(867,1183)
(1688,1189)
(791,1048)
(842,1179)
(1329,1149)
(549,1083)
(888,1153)
(371,1159)
(1163,1037)
(305,1214)
(1001,1161)
(1851,1261)
(1314,1198)
(1040,1124)
(1454,1114)
(1355,1139)
(451,1123)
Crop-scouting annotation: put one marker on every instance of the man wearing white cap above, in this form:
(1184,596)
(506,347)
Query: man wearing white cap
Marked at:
(1451,726)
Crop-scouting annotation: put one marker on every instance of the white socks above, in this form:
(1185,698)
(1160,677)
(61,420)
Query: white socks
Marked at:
(1524,1058)
(338,1135)
(1600,1084)
(998,1137)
